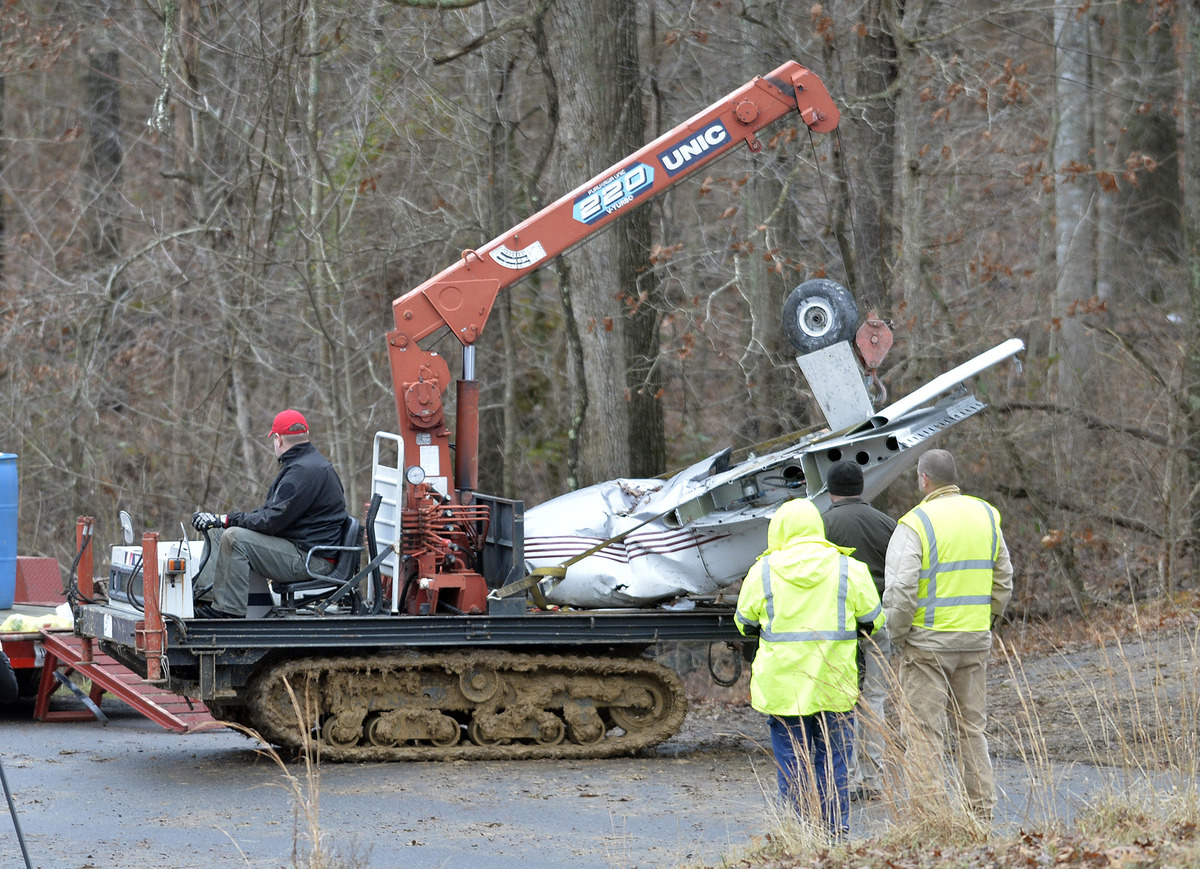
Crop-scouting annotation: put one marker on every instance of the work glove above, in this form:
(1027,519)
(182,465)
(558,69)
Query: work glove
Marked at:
(204,521)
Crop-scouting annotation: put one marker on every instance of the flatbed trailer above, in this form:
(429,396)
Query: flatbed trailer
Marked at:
(552,684)
(510,685)
(25,652)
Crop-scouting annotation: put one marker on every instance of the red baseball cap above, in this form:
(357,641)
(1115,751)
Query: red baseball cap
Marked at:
(289,422)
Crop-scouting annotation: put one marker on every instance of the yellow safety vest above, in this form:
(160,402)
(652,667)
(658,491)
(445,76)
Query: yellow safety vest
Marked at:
(960,542)
(807,641)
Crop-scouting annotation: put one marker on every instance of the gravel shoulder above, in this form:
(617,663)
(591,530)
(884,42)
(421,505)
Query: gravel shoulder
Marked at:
(1128,700)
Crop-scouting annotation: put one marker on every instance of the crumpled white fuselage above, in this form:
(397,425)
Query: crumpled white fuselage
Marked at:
(700,530)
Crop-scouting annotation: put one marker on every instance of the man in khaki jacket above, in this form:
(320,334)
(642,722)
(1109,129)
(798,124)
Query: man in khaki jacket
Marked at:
(948,578)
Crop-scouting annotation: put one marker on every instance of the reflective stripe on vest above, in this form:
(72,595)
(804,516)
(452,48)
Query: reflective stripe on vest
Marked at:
(773,636)
(940,603)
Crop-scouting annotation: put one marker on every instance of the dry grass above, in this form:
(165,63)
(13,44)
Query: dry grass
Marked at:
(1070,633)
(1138,716)
(311,848)
(1132,709)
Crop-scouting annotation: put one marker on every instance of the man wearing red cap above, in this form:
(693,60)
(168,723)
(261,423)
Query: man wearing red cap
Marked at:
(305,507)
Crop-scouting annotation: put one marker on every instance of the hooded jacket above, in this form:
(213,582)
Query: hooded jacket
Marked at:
(806,599)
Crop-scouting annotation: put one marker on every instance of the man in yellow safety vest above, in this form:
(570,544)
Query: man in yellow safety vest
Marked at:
(806,599)
(948,579)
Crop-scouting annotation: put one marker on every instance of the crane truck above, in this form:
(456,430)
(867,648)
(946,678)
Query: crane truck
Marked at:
(475,631)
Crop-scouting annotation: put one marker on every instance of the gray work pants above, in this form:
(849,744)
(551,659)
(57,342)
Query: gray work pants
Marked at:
(870,725)
(234,553)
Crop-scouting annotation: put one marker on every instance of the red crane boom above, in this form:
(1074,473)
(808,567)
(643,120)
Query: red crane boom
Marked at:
(461,296)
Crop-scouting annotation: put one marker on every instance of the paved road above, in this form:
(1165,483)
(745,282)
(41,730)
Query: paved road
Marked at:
(132,795)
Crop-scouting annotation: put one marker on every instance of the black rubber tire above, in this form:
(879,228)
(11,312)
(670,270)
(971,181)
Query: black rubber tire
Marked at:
(818,314)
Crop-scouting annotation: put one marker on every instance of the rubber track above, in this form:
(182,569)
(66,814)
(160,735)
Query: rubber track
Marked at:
(276,720)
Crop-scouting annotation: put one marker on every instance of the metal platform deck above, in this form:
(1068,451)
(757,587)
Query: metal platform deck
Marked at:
(214,658)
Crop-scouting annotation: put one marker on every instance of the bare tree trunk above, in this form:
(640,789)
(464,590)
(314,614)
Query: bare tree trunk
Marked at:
(101,335)
(872,194)
(600,106)
(102,96)
(906,23)
(323,230)
(1074,203)
(639,300)
(1143,240)
(1190,124)
(1075,250)
(640,303)
(1108,212)
(759,196)
(499,425)
(1147,143)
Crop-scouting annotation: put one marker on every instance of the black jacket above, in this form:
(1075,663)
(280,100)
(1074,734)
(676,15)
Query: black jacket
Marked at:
(306,504)
(854,522)
(8,680)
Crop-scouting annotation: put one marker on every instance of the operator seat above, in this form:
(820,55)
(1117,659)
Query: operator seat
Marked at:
(348,554)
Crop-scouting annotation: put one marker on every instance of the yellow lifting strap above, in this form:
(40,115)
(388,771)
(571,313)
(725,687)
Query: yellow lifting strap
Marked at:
(532,581)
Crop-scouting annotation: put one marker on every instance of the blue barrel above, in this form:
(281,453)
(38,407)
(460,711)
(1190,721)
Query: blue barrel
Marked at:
(8,529)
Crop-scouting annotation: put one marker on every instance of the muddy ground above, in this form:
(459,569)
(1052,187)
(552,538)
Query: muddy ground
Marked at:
(132,795)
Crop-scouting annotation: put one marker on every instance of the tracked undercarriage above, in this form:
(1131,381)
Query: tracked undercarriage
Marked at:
(460,705)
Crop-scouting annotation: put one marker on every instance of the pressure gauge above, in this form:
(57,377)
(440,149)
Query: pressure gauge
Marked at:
(415,475)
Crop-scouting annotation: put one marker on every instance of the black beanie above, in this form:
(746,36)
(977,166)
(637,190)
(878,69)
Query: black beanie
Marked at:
(845,478)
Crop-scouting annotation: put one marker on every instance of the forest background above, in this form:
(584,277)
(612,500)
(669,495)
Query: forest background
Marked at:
(207,209)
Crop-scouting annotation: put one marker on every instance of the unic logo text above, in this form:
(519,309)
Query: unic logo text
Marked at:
(683,155)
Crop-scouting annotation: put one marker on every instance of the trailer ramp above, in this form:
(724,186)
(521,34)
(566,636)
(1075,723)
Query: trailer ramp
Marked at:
(64,654)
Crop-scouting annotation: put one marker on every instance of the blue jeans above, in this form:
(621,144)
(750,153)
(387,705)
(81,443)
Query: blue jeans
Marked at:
(815,748)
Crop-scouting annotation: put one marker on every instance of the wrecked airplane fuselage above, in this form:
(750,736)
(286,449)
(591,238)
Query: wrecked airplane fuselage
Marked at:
(635,542)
